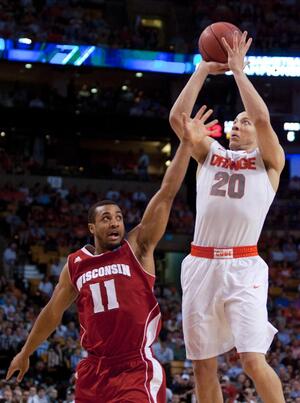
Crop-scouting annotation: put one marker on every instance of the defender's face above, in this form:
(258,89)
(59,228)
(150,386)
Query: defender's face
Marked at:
(108,228)
(243,133)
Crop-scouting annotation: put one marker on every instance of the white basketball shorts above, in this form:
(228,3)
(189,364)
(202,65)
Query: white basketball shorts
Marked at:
(224,306)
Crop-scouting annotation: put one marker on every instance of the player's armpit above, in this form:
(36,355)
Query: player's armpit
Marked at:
(271,151)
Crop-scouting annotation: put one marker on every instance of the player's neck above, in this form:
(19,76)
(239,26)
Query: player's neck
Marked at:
(99,249)
(248,148)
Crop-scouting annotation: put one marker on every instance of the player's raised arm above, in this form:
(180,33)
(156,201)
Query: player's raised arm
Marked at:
(45,324)
(186,101)
(155,219)
(271,151)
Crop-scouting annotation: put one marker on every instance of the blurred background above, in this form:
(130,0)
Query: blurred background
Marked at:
(85,92)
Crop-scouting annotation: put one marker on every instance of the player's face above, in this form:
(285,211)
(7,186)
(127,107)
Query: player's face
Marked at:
(108,228)
(243,133)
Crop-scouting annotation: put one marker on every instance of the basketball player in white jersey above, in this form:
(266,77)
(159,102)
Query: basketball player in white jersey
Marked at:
(224,281)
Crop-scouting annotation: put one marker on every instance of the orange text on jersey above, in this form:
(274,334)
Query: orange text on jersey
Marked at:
(242,163)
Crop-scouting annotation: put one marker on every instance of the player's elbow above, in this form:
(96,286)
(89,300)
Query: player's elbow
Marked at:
(168,192)
(52,315)
(175,122)
(172,117)
(276,160)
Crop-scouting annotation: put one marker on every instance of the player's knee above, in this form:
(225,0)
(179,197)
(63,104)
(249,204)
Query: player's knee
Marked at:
(205,369)
(253,364)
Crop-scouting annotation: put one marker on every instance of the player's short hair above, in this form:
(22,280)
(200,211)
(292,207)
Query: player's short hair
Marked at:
(93,208)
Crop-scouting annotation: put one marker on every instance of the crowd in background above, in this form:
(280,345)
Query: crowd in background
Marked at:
(273,24)
(127,100)
(40,225)
(43,155)
(56,219)
(53,222)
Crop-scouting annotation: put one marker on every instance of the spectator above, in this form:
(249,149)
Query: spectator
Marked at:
(10,260)
(140,198)
(55,269)
(36,102)
(45,288)
(70,397)
(42,396)
(33,396)
(76,357)
(112,194)
(143,166)
(165,355)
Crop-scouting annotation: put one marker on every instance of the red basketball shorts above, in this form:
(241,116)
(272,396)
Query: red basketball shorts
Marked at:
(136,379)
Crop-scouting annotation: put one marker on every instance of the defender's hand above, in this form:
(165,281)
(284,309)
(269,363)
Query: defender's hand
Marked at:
(237,52)
(19,363)
(194,130)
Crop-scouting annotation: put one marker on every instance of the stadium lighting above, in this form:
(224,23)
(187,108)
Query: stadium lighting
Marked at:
(138,61)
(152,22)
(85,55)
(290,136)
(94,90)
(166,149)
(2,134)
(28,66)
(218,130)
(139,74)
(124,88)
(228,126)
(26,41)
(294,126)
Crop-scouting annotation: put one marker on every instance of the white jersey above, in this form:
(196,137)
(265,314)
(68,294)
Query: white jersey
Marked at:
(234,195)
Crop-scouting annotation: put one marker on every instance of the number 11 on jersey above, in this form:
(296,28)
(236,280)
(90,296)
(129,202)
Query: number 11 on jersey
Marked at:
(111,296)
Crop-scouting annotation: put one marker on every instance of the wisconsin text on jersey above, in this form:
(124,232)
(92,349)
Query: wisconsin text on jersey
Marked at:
(123,269)
(241,163)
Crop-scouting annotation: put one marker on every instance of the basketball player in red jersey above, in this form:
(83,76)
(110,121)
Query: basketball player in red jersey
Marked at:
(224,281)
(112,285)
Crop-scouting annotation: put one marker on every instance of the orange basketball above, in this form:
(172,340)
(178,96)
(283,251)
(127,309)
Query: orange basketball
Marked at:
(210,42)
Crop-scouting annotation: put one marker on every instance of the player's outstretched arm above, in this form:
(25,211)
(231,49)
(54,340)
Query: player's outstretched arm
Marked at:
(186,101)
(45,324)
(271,151)
(156,216)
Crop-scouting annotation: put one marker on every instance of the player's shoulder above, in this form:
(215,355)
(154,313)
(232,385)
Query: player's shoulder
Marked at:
(219,147)
(80,254)
(214,148)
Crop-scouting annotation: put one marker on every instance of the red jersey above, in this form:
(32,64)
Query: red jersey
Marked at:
(118,311)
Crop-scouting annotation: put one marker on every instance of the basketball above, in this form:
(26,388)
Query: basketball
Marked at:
(210,42)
